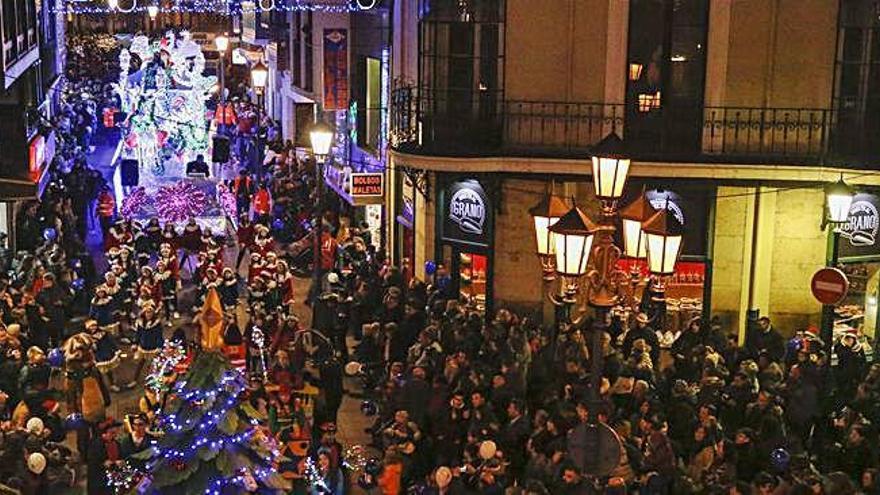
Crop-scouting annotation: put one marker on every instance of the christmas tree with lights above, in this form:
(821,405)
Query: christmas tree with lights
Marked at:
(213,440)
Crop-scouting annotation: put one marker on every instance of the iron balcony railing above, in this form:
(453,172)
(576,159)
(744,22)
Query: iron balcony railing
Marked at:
(482,125)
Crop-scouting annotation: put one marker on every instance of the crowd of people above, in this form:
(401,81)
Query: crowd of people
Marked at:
(473,405)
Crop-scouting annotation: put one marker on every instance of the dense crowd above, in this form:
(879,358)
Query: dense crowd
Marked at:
(465,404)
(462,402)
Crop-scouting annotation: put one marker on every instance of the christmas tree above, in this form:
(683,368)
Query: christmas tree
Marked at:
(213,440)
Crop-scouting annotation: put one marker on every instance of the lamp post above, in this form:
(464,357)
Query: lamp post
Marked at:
(838,200)
(586,259)
(222,43)
(321,137)
(259,76)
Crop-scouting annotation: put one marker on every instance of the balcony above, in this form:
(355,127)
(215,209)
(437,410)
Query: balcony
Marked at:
(425,124)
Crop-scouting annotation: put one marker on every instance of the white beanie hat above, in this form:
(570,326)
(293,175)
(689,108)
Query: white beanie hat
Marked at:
(36,463)
(35,426)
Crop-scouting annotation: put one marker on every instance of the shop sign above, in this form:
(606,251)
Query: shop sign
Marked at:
(37,158)
(467,214)
(367,185)
(829,285)
(690,206)
(660,199)
(408,201)
(858,237)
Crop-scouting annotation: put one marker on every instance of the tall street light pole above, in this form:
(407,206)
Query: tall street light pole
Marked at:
(585,258)
(259,78)
(321,137)
(222,43)
(838,199)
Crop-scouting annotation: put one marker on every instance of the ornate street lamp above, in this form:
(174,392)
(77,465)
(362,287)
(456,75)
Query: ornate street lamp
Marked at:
(222,43)
(544,215)
(838,199)
(153,11)
(321,137)
(573,240)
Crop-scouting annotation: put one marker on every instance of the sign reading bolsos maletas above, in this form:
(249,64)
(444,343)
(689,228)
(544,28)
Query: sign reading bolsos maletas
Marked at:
(859,236)
(829,285)
(367,184)
(467,214)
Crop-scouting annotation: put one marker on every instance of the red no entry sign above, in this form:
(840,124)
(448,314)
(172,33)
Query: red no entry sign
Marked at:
(829,285)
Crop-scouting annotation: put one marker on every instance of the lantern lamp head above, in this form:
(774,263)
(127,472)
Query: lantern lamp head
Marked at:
(610,167)
(663,235)
(545,214)
(838,199)
(321,137)
(573,240)
(632,216)
(259,75)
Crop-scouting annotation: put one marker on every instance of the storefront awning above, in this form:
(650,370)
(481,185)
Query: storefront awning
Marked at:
(17,189)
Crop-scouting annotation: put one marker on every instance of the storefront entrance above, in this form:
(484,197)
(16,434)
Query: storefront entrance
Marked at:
(466,230)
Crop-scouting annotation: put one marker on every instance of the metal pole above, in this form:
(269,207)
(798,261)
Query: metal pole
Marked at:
(828,310)
(223,82)
(318,229)
(596,364)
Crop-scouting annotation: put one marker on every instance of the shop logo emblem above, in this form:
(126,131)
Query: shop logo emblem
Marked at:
(861,229)
(466,208)
(660,203)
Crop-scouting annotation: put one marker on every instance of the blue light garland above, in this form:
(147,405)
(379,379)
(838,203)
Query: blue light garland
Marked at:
(219,7)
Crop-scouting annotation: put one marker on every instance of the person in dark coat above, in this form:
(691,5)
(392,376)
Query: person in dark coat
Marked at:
(763,337)
(52,299)
(104,452)
(415,395)
(331,386)
(514,436)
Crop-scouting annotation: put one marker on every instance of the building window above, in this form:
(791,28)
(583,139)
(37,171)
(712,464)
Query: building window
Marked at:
(857,82)
(461,83)
(666,66)
(9,30)
(374,101)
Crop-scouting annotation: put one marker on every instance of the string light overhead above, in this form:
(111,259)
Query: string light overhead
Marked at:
(224,7)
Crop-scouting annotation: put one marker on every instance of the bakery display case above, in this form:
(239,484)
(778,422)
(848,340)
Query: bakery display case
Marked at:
(472,280)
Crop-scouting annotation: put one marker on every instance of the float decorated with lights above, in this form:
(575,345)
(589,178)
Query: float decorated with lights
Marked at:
(164,100)
(163,91)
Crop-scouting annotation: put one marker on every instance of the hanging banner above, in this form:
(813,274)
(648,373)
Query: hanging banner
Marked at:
(335,69)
